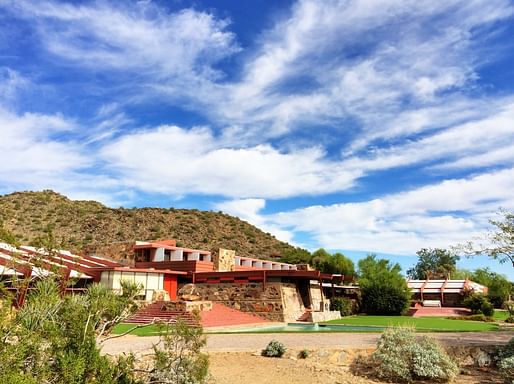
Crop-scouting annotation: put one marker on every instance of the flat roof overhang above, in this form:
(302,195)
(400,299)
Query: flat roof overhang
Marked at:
(265,273)
(142,270)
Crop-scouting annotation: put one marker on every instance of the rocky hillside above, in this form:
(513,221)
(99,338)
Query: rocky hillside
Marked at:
(91,226)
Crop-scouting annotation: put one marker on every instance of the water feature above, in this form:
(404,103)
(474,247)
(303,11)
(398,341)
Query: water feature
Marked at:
(299,327)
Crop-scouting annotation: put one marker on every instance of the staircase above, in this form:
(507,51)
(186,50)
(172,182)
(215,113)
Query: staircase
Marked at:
(306,316)
(157,312)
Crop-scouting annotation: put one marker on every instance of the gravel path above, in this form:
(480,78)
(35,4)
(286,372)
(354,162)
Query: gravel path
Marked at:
(255,342)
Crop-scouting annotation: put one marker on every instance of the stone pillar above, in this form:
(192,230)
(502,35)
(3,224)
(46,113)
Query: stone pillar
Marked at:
(225,260)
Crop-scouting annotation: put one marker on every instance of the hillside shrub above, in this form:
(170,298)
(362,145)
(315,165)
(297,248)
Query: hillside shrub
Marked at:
(274,349)
(479,304)
(402,357)
(342,304)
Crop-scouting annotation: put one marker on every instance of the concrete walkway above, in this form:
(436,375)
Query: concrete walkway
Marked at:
(256,342)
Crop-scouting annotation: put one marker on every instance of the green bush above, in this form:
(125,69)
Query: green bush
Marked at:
(479,304)
(303,354)
(379,299)
(384,290)
(274,349)
(342,304)
(401,357)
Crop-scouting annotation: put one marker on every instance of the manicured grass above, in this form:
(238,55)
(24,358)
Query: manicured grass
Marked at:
(421,324)
(149,330)
(500,315)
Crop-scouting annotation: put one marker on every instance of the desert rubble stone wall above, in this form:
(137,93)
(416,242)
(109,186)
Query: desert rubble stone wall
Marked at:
(273,301)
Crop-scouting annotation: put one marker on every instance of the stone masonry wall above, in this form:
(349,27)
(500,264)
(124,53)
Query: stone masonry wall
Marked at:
(267,302)
(224,261)
(291,302)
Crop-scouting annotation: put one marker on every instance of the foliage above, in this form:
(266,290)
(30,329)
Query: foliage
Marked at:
(477,317)
(499,287)
(54,339)
(274,349)
(479,304)
(434,263)
(296,256)
(401,357)
(336,263)
(505,361)
(498,244)
(178,357)
(506,367)
(341,304)
(384,290)
(303,354)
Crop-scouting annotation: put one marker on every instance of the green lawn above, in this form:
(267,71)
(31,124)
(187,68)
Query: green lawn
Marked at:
(500,315)
(150,330)
(428,324)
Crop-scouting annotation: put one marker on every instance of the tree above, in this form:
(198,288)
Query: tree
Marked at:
(336,263)
(498,243)
(434,263)
(499,287)
(296,256)
(383,288)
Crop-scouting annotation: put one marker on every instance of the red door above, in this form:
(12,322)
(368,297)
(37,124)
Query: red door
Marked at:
(170,286)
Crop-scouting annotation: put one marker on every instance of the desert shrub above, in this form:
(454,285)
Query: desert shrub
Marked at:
(341,304)
(506,367)
(505,351)
(401,357)
(303,354)
(479,304)
(178,357)
(274,349)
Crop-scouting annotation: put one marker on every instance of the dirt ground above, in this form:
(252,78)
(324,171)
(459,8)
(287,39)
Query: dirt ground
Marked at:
(248,368)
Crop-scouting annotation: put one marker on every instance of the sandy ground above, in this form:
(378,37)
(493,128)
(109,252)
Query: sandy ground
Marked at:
(256,342)
(237,368)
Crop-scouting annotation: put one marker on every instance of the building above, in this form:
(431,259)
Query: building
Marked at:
(448,293)
(270,289)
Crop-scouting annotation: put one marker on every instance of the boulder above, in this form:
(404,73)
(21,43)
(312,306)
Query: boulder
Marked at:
(189,292)
(160,295)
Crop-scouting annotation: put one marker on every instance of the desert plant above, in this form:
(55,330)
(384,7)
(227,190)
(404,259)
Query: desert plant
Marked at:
(274,349)
(178,358)
(401,357)
(303,354)
(506,367)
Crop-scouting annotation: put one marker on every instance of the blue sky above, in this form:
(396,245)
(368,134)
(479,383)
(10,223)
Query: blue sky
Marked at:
(352,125)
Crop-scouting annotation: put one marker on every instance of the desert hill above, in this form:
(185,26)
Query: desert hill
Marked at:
(92,227)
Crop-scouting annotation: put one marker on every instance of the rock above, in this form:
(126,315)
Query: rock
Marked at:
(189,292)
(482,359)
(160,295)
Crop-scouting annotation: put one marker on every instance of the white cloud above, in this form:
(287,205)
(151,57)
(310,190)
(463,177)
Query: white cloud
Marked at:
(133,36)
(403,223)
(249,210)
(177,161)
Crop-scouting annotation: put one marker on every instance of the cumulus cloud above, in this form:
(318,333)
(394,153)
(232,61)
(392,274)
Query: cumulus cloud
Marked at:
(177,161)
(403,223)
